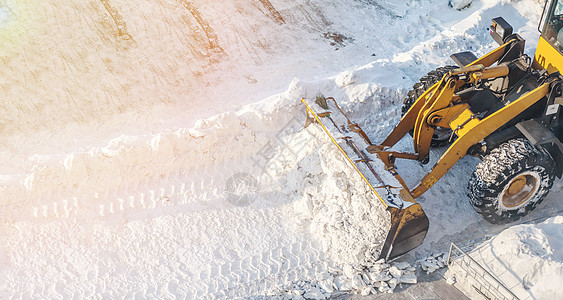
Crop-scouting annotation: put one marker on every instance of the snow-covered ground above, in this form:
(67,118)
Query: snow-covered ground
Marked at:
(153,149)
(526,259)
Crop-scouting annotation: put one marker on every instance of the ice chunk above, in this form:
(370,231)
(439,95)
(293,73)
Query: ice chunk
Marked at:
(395,272)
(402,265)
(409,278)
(379,277)
(460,4)
(314,293)
(358,283)
(348,271)
(393,283)
(366,291)
(327,286)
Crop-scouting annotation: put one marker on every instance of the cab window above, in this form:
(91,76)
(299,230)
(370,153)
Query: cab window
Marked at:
(553,30)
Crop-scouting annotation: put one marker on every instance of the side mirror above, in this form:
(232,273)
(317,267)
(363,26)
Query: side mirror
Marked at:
(500,30)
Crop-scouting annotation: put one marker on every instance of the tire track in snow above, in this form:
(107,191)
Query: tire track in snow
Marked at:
(173,192)
(273,13)
(307,15)
(383,8)
(154,178)
(256,274)
(259,274)
(120,25)
(244,46)
(207,29)
(168,198)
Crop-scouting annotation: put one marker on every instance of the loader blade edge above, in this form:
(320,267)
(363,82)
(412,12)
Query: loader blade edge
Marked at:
(408,229)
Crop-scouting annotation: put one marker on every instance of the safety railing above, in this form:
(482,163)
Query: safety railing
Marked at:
(481,280)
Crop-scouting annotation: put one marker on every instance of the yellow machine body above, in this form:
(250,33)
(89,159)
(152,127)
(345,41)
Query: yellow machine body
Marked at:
(439,106)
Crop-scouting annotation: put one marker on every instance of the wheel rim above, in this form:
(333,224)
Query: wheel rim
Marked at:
(520,190)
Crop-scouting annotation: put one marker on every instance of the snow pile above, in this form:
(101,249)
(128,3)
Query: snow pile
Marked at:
(338,208)
(527,259)
(534,254)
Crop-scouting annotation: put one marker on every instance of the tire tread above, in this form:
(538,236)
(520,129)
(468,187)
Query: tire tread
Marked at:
(419,88)
(500,165)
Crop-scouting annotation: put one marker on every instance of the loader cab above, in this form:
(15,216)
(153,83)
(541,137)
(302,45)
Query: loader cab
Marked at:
(550,46)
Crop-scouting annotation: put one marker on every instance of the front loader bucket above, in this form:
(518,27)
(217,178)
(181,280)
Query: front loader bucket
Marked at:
(408,222)
(408,229)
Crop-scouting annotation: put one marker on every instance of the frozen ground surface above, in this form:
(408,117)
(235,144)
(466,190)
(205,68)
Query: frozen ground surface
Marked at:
(152,148)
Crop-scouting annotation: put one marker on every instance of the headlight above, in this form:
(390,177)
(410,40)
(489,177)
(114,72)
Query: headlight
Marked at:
(499,30)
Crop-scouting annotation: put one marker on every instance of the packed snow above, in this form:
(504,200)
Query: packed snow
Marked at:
(527,259)
(154,149)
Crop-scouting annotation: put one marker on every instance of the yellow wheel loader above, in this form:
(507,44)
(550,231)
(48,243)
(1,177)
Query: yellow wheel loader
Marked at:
(504,107)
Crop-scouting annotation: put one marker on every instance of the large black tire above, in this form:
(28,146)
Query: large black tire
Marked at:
(510,181)
(441,135)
